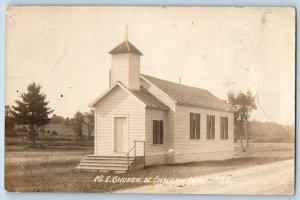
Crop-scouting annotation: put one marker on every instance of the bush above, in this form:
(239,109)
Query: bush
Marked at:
(10,133)
(54,133)
(42,130)
(22,129)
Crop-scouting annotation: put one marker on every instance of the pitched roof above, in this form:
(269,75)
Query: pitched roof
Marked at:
(143,95)
(125,47)
(190,96)
(149,99)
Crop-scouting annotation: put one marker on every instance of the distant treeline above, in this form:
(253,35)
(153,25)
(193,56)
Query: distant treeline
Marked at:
(79,123)
(269,132)
(76,122)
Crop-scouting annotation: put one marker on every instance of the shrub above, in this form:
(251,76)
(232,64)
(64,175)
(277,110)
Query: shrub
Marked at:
(22,129)
(54,133)
(10,133)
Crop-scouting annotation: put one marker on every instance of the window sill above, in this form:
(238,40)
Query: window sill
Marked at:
(157,145)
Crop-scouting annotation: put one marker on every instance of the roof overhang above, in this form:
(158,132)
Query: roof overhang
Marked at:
(205,107)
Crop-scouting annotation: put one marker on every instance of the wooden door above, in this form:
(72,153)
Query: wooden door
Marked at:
(120,132)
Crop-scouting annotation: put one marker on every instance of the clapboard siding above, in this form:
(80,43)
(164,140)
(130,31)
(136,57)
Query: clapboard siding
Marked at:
(195,157)
(155,153)
(134,72)
(126,69)
(120,69)
(119,103)
(201,149)
(170,117)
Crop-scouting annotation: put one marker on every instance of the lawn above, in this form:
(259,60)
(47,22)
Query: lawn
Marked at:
(53,169)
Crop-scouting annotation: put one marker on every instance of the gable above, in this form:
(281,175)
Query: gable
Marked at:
(142,96)
(117,90)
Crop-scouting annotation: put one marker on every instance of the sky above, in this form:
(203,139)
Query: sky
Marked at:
(65,49)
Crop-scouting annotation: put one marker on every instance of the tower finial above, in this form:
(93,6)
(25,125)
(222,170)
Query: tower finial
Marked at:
(126,33)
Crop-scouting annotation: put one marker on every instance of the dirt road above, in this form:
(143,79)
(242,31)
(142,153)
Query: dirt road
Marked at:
(275,178)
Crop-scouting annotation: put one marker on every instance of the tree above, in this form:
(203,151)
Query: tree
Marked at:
(32,110)
(66,122)
(270,132)
(78,121)
(56,119)
(243,104)
(89,121)
(9,121)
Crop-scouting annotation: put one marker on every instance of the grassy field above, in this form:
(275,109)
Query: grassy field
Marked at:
(65,138)
(48,144)
(53,169)
(61,129)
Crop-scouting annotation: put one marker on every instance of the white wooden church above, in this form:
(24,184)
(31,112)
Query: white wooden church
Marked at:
(142,120)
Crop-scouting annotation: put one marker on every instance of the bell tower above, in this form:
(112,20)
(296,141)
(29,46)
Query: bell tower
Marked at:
(125,65)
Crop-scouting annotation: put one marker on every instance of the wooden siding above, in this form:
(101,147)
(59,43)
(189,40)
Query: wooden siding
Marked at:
(134,72)
(118,103)
(120,68)
(155,153)
(170,117)
(126,69)
(188,150)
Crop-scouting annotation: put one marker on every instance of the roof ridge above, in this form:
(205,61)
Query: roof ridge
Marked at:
(190,95)
(127,45)
(175,83)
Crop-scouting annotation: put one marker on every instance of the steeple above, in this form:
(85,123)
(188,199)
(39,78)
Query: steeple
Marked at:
(126,46)
(126,33)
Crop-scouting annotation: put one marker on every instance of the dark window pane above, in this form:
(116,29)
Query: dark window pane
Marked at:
(213,127)
(155,131)
(210,127)
(221,127)
(197,126)
(158,132)
(226,128)
(192,129)
(207,126)
(161,132)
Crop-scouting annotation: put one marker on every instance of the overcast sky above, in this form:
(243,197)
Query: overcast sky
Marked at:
(65,49)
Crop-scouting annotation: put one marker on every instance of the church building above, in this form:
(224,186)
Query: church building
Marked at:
(142,120)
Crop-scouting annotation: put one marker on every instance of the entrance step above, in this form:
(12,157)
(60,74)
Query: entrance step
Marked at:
(106,163)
